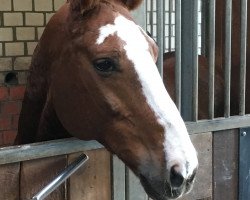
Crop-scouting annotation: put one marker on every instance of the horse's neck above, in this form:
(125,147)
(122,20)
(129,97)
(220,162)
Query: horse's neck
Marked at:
(50,127)
(37,111)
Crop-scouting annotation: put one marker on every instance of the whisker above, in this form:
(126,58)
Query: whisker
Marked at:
(171,190)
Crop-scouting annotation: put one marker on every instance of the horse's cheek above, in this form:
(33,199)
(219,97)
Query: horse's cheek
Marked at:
(69,104)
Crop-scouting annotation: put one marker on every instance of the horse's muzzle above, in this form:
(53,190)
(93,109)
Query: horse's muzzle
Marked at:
(172,189)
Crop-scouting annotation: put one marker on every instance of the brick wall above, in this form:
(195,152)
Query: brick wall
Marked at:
(21,25)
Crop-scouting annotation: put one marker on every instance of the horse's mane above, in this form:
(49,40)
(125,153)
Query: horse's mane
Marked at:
(131,4)
(83,5)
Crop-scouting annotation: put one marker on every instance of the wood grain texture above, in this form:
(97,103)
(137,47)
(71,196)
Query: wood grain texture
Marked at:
(36,174)
(9,181)
(93,181)
(203,184)
(225,159)
(45,149)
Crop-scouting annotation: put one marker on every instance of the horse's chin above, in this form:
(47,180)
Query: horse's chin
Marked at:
(159,190)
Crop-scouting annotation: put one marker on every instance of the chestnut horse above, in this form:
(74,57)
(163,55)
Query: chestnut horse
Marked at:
(93,76)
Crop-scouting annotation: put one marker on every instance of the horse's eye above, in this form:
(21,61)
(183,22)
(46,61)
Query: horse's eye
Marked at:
(105,65)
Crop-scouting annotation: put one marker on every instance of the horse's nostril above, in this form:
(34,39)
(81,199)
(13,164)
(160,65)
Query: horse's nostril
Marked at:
(176,178)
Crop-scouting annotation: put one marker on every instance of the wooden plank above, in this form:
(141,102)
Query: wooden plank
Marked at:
(36,174)
(118,188)
(244,164)
(203,184)
(134,189)
(9,181)
(225,159)
(93,181)
(45,149)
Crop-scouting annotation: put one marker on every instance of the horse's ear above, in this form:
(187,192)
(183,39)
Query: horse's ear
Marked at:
(82,5)
(131,4)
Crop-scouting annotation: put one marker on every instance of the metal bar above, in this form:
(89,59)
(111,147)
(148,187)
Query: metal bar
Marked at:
(217,124)
(178,53)
(126,183)
(118,179)
(164,26)
(204,9)
(195,60)
(170,25)
(189,60)
(243,51)
(134,189)
(244,163)
(151,18)
(160,15)
(45,149)
(211,57)
(186,62)
(73,167)
(228,33)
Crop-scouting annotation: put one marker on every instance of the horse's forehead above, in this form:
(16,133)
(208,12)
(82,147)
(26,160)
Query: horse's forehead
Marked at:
(105,14)
(116,35)
(126,30)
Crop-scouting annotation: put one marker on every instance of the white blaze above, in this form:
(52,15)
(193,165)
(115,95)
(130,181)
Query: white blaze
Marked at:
(177,144)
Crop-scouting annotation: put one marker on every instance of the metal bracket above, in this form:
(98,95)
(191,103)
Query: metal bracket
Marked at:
(244,164)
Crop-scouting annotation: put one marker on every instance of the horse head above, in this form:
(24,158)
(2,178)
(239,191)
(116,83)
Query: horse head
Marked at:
(103,84)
